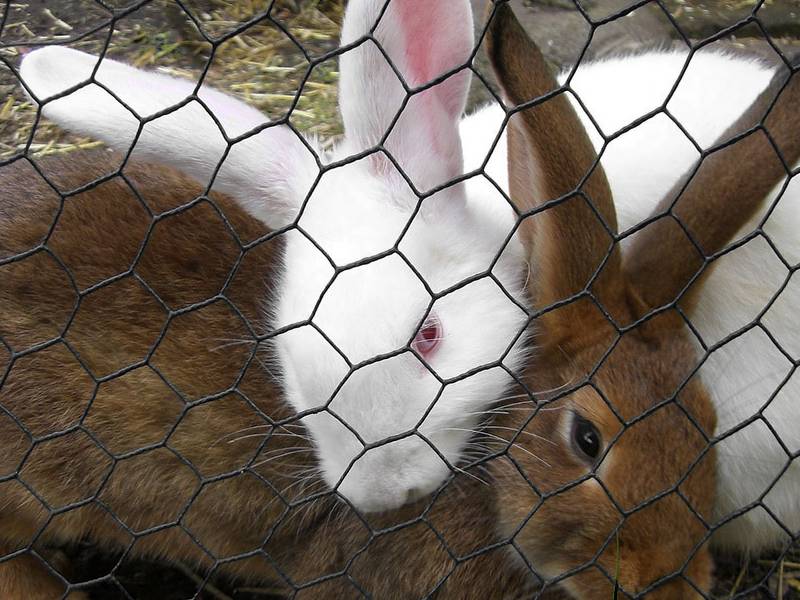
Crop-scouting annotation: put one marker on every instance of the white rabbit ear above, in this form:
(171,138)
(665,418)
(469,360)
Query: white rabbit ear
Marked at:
(269,173)
(424,39)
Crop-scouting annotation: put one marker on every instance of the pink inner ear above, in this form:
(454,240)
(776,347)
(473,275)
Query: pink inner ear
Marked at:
(419,43)
(424,39)
(432,47)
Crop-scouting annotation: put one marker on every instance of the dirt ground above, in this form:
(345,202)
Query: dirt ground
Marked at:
(263,65)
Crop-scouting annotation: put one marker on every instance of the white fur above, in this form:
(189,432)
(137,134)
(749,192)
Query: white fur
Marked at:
(360,210)
(390,396)
(356,211)
(188,135)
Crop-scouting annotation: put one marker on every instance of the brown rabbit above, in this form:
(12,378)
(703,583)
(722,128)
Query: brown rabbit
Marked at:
(627,429)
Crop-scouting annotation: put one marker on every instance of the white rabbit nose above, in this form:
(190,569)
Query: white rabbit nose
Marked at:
(375,499)
(381,497)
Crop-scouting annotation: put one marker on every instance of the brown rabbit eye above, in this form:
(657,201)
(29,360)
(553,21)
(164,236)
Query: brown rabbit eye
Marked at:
(586,437)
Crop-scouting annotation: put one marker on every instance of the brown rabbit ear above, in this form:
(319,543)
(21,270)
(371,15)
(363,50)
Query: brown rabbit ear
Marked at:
(725,191)
(550,156)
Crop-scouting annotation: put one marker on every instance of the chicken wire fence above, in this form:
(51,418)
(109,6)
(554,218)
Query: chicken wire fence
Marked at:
(143,406)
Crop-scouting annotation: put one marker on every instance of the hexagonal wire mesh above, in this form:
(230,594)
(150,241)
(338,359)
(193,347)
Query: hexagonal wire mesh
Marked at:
(162,396)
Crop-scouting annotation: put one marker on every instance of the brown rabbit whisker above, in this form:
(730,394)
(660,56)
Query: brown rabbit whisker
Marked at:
(472,454)
(296,473)
(477,462)
(501,410)
(336,512)
(511,407)
(275,434)
(263,364)
(527,275)
(478,446)
(522,432)
(304,483)
(305,508)
(516,396)
(304,512)
(290,465)
(292,425)
(248,436)
(268,451)
(471,463)
(265,434)
(288,434)
(552,390)
(309,476)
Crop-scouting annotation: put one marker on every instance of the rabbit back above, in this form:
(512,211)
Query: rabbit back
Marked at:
(131,362)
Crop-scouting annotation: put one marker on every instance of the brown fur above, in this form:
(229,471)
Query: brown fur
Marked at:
(57,392)
(26,576)
(549,169)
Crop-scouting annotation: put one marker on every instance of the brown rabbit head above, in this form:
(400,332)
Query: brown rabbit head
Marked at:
(608,479)
(612,474)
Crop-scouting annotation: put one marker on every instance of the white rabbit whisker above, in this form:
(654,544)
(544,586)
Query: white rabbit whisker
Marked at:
(238,431)
(228,343)
(497,437)
(265,461)
(468,474)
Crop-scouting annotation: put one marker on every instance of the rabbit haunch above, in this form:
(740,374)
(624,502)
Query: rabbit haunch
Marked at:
(368,262)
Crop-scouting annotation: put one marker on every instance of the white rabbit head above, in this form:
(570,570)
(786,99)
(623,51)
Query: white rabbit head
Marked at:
(414,311)
(398,302)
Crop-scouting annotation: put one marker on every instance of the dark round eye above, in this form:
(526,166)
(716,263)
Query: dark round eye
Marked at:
(586,438)
(428,336)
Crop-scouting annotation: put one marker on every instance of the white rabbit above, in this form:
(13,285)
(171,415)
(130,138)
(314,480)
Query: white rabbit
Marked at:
(642,165)
(342,334)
